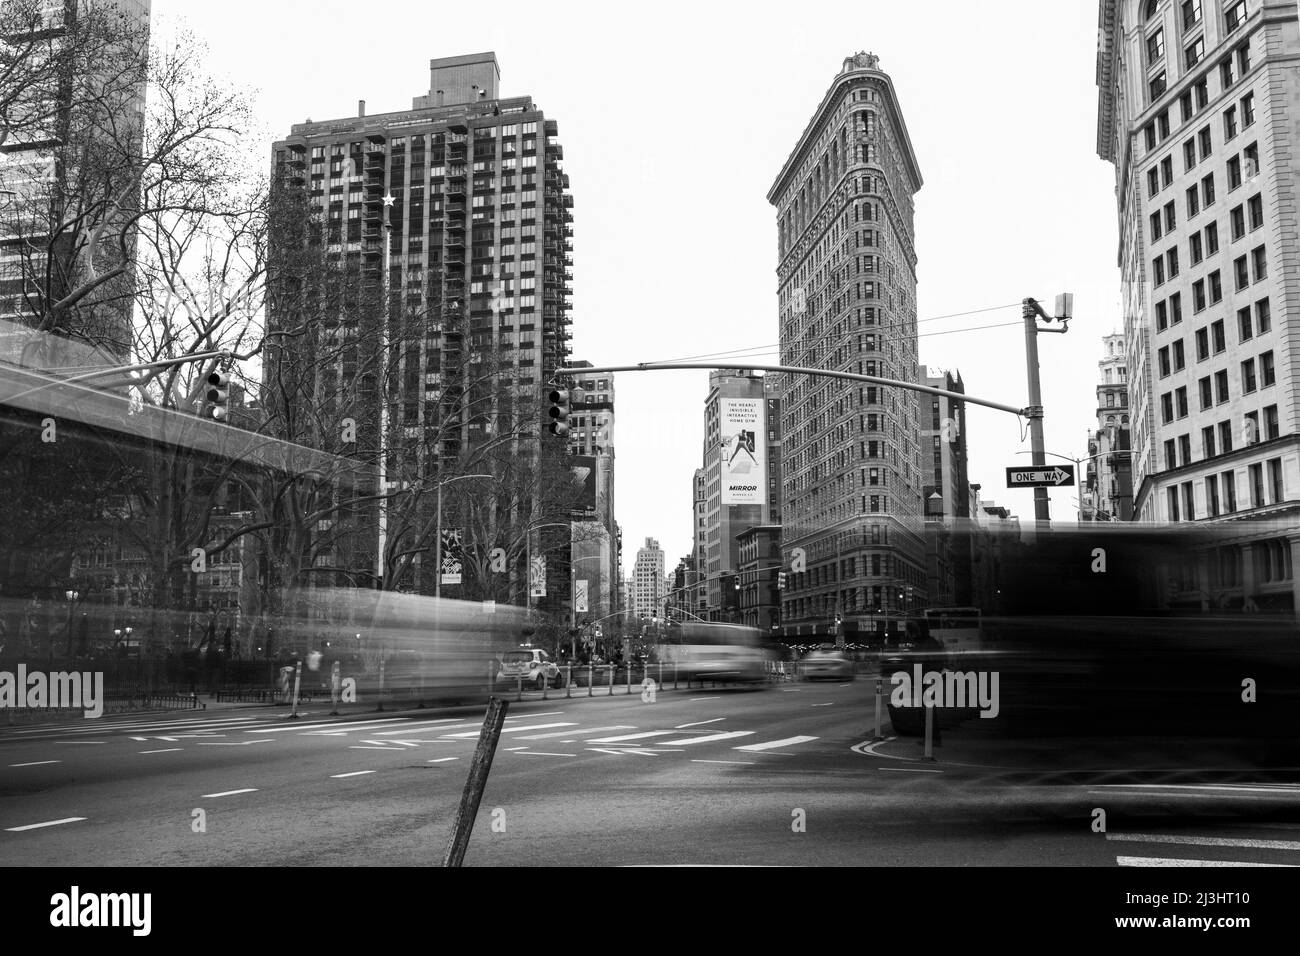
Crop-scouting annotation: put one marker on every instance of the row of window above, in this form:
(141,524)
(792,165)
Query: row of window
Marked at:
(1218,439)
(1221,492)
(1214,389)
(1246,269)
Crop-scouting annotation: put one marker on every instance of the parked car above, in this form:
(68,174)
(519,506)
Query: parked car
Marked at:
(826,665)
(531,664)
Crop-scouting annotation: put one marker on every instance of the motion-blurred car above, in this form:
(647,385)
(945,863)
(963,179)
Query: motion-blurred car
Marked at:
(826,665)
(531,666)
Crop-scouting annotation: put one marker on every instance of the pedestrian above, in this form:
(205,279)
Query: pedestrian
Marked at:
(336,686)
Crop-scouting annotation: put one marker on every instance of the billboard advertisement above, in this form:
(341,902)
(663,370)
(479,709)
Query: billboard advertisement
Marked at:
(583,468)
(744,451)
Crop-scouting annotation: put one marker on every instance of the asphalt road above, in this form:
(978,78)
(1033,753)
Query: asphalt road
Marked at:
(785,775)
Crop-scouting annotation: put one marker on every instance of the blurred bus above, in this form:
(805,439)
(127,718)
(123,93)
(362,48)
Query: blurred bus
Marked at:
(957,628)
(721,652)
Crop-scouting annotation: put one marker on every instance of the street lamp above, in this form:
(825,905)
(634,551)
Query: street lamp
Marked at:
(437,553)
(72,597)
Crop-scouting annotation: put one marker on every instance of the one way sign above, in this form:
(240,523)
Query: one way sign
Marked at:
(1032,477)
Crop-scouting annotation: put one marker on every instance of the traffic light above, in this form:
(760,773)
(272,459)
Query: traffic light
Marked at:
(218,394)
(559,412)
(780,580)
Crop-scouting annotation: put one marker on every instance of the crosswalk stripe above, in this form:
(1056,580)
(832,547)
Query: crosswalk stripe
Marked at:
(509,730)
(1161,861)
(1204,841)
(774,744)
(355,725)
(641,736)
(684,741)
(568,733)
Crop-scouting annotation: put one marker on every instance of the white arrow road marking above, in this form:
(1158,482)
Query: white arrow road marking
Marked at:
(774,744)
(35,763)
(50,823)
(685,741)
(354,773)
(230,793)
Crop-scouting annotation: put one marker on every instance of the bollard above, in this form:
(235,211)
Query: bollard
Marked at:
(880,684)
(297,678)
(463,823)
(611,680)
(568,681)
(591,679)
(544,682)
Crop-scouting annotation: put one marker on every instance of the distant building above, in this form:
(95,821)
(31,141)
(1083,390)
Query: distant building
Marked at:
(946,493)
(760,564)
(1108,488)
(648,589)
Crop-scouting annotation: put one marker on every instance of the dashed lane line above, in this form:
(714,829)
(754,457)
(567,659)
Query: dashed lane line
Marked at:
(47,823)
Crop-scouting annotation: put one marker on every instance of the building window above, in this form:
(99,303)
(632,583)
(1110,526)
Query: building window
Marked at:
(1155,226)
(1235,15)
(1257,485)
(1204,138)
(1221,386)
(1240,273)
(1194,52)
(1234,173)
(1211,238)
(1275,480)
(1270,422)
(1266,370)
(1171,455)
(1162,316)
(1212,496)
(1185,445)
(1225,437)
(1263,317)
(1173,503)
(1171,217)
(1229,123)
(1180,400)
(1172,258)
(1158,269)
(1175,308)
(1237,222)
(1189,154)
(1198,295)
(1216,287)
(1167,171)
(1155,47)
(1207,191)
(1228,481)
(1258,263)
(1247,110)
(1207,441)
(1165,367)
(1166,408)
(1248,383)
(1197,249)
(1153,181)
(1193,202)
(1207,393)
(1244,329)
(1191,14)
(1255,204)
(1189,501)
(1202,344)
(1157,85)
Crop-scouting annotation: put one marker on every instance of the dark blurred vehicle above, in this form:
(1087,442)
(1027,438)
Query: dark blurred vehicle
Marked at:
(903,651)
(826,665)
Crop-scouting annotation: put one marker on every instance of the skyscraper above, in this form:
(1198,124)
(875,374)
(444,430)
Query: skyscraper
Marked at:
(1196,110)
(459,208)
(846,272)
(947,493)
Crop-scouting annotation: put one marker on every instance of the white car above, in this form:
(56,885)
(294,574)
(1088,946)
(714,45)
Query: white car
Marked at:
(530,665)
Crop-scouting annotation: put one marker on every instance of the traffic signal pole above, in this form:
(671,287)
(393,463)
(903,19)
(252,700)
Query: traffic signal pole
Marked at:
(1032,312)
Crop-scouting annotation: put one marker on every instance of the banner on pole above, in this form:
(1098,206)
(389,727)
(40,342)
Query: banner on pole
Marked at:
(537,577)
(453,556)
(580,596)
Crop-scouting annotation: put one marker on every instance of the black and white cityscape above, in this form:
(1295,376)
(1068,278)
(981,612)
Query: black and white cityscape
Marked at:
(956,379)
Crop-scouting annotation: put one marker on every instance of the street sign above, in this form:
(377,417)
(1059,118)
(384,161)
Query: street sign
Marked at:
(1031,477)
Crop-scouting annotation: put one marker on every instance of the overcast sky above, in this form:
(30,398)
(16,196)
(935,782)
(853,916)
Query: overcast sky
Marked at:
(675,120)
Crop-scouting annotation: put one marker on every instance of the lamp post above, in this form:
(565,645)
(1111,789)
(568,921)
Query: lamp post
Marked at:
(437,552)
(72,597)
